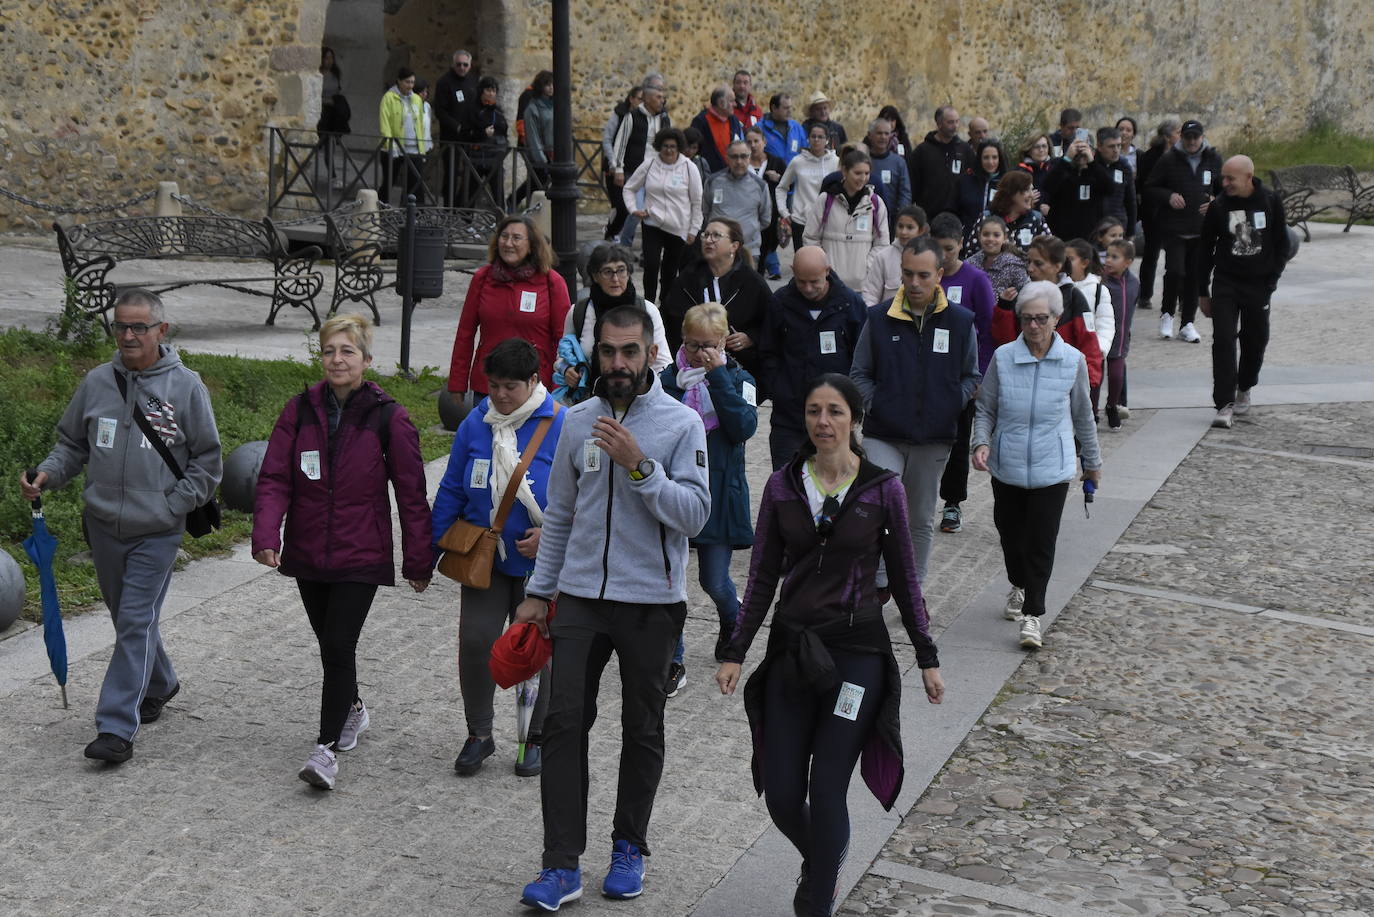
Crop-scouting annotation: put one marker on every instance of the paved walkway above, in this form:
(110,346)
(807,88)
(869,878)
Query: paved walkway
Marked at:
(1192,738)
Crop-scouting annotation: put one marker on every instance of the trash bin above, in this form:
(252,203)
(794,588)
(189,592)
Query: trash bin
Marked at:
(427,249)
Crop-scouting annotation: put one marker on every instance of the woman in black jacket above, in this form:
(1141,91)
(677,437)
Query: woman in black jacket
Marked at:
(482,132)
(724,274)
(1166,135)
(977,185)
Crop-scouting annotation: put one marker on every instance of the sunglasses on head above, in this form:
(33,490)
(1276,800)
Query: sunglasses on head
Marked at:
(825,525)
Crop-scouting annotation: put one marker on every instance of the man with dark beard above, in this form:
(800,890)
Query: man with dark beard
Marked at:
(628,487)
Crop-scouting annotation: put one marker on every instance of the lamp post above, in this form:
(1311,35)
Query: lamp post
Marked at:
(563,192)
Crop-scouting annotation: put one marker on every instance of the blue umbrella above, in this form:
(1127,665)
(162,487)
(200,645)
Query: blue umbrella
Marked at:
(41,547)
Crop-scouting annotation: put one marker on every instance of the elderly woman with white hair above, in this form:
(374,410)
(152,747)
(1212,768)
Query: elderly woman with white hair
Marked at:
(1032,404)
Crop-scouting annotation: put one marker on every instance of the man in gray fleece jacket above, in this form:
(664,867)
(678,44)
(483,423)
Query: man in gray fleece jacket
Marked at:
(627,489)
(135,506)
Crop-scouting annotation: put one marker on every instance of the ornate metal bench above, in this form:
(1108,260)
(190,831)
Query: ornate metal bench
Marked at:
(91,250)
(360,239)
(1307,191)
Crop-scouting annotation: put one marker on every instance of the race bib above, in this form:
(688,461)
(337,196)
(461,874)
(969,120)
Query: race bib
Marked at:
(955,166)
(1090,321)
(828,342)
(591,455)
(795,145)
(528,300)
(750,394)
(1085,192)
(955,295)
(480,469)
(887,176)
(1058,151)
(717,196)
(861,222)
(1259,219)
(941,340)
(459,94)
(310,464)
(1118,176)
(1206,176)
(676,180)
(1024,236)
(105,432)
(850,699)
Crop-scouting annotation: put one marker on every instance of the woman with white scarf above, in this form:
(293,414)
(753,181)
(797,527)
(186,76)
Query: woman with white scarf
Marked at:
(486,451)
(706,378)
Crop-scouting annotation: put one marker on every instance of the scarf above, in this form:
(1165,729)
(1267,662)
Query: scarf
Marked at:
(603,302)
(504,273)
(505,455)
(695,394)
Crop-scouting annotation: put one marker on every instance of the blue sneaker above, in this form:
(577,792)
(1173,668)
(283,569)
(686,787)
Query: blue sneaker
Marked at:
(625,878)
(553,888)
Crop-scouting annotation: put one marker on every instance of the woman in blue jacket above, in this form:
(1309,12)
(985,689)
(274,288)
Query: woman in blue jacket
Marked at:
(486,452)
(707,379)
(1032,403)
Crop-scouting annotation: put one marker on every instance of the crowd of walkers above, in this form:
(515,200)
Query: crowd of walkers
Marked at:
(947,307)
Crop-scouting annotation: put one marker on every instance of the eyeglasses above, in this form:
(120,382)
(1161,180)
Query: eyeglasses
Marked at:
(712,236)
(1035,319)
(698,347)
(610,273)
(825,525)
(138,328)
(739,155)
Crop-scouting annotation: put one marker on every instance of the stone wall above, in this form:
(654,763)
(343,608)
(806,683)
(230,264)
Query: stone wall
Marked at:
(105,97)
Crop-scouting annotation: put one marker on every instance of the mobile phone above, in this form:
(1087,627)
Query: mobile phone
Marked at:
(1083,134)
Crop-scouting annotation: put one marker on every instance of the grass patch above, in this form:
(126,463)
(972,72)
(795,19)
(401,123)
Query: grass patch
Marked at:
(1325,144)
(39,372)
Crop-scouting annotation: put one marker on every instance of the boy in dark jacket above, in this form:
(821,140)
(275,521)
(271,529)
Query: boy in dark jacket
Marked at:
(1186,177)
(1245,241)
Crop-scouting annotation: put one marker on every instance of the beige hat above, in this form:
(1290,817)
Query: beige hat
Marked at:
(817,98)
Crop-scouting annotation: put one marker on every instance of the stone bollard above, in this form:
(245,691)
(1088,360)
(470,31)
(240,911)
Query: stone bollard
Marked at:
(240,483)
(453,408)
(11,590)
(167,206)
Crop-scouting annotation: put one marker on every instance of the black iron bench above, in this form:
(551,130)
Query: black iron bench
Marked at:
(359,241)
(1308,191)
(90,251)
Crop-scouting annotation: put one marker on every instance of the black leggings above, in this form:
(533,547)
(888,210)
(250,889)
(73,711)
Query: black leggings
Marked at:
(1027,521)
(662,256)
(337,612)
(809,757)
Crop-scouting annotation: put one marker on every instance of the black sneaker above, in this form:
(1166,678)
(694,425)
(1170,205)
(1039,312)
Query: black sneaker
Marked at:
(952,520)
(151,708)
(474,752)
(1113,418)
(110,747)
(677,678)
(801,900)
(533,763)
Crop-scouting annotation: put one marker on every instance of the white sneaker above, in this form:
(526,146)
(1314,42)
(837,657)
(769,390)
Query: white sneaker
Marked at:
(1016,600)
(1189,333)
(321,768)
(1166,326)
(1030,632)
(1223,419)
(1123,412)
(1242,405)
(357,721)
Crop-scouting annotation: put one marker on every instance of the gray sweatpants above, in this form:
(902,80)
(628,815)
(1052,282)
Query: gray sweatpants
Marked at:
(484,616)
(920,468)
(134,576)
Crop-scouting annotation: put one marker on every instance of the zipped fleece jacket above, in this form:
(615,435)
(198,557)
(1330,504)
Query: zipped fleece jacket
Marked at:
(338,526)
(745,199)
(1077,197)
(607,537)
(129,488)
(935,168)
(1174,174)
(913,392)
(457,498)
(791,349)
(1245,239)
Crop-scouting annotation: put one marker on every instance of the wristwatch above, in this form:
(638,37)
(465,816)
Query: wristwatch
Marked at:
(642,470)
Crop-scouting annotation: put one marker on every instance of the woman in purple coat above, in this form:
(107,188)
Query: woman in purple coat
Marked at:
(828,687)
(333,451)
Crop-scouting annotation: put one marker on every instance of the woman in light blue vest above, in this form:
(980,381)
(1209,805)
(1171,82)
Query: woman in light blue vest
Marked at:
(1032,404)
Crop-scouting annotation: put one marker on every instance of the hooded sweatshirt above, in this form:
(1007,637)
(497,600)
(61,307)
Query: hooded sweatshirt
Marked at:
(935,168)
(630,536)
(848,228)
(129,488)
(803,178)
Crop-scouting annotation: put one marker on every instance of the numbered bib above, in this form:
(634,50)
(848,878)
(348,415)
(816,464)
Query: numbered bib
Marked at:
(828,342)
(591,455)
(941,344)
(717,196)
(459,94)
(481,468)
(1259,219)
(956,165)
(1090,321)
(955,295)
(676,180)
(1118,176)
(795,145)
(861,222)
(1024,236)
(1085,192)
(750,394)
(310,464)
(1206,176)
(105,432)
(850,700)
(528,300)
(887,176)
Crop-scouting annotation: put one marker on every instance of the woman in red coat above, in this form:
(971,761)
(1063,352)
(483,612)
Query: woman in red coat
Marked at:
(332,453)
(518,294)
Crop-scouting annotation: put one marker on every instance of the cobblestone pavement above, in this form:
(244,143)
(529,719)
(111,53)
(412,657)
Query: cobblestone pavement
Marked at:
(1162,757)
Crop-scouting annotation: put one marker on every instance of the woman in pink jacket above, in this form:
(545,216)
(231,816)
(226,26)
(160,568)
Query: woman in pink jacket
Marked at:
(333,451)
(671,211)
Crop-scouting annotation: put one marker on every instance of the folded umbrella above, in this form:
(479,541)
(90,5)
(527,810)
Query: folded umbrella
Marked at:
(41,547)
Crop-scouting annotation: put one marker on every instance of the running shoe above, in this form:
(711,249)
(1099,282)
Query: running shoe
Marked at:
(1242,404)
(1223,419)
(321,768)
(625,878)
(677,678)
(1189,334)
(1016,600)
(1030,632)
(1166,326)
(356,722)
(952,520)
(553,889)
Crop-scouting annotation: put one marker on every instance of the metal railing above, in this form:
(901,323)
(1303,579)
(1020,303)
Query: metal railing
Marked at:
(313,173)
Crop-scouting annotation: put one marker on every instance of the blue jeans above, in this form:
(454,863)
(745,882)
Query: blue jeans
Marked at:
(713,571)
(627,232)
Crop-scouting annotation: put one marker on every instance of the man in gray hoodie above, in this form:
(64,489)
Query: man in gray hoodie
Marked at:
(627,489)
(135,506)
